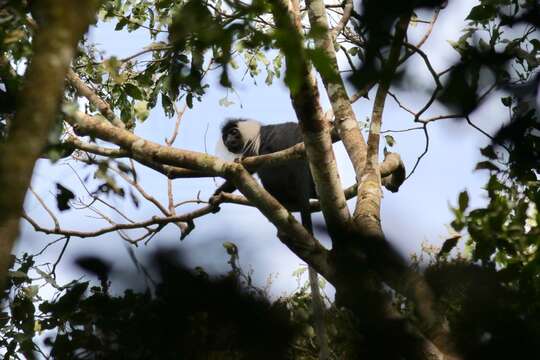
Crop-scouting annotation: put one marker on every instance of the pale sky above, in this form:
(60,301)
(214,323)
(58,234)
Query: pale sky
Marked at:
(418,213)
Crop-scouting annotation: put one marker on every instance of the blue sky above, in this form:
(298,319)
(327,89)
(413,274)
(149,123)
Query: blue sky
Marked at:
(418,213)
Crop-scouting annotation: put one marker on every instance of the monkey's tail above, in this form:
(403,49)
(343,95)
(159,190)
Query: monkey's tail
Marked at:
(317,300)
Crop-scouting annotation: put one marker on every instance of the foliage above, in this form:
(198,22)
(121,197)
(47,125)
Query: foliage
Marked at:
(503,239)
(489,48)
(504,235)
(490,314)
(499,282)
(186,313)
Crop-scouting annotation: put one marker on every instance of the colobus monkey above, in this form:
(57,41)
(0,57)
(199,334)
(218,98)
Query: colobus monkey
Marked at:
(291,183)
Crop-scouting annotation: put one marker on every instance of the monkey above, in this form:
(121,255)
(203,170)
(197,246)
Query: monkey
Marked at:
(291,184)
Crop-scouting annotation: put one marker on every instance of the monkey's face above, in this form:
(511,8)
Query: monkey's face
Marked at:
(232,138)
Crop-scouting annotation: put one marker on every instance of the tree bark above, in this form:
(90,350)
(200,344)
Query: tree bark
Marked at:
(315,129)
(62,23)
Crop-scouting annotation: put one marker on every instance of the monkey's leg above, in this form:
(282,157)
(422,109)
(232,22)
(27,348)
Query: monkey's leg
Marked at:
(316,300)
(318,314)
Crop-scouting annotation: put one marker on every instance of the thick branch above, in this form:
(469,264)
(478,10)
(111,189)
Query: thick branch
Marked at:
(63,23)
(301,242)
(368,204)
(252,163)
(345,118)
(171,172)
(315,129)
(367,218)
(347,12)
(145,150)
(296,238)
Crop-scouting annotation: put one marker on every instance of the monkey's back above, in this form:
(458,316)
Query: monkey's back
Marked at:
(291,184)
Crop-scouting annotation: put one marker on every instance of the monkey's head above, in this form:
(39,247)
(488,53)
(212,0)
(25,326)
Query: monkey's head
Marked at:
(241,137)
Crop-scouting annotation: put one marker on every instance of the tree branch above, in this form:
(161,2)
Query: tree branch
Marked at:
(368,203)
(296,238)
(53,47)
(172,172)
(367,218)
(146,151)
(159,221)
(84,90)
(345,118)
(301,242)
(315,129)
(347,12)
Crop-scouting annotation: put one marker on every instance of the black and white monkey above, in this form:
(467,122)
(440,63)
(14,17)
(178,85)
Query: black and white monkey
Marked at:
(291,183)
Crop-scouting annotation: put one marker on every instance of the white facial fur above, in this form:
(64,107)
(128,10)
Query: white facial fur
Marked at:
(250,130)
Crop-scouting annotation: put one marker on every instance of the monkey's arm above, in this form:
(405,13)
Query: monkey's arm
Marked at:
(227,186)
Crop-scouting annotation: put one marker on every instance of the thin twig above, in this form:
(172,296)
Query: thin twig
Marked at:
(426,148)
(44,205)
(53,271)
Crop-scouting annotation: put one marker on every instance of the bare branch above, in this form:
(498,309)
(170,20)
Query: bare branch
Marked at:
(44,205)
(430,27)
(172,172)
(154,221)
(141,191)
(153,47)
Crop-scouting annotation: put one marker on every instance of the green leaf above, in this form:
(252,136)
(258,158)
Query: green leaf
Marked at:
(189,100)
(133,91)
(457,225)
(141,110)
(167,105)
(536,44)
(70,300)
(486,165)
(47,277)
(463,200)
(489,152)
(225,102)
(269,78)
(448,245)
(31,291)
(482,13)
(231,248)
(507,101)
(390,140)
(63,196)
(121,24)
(299,272)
